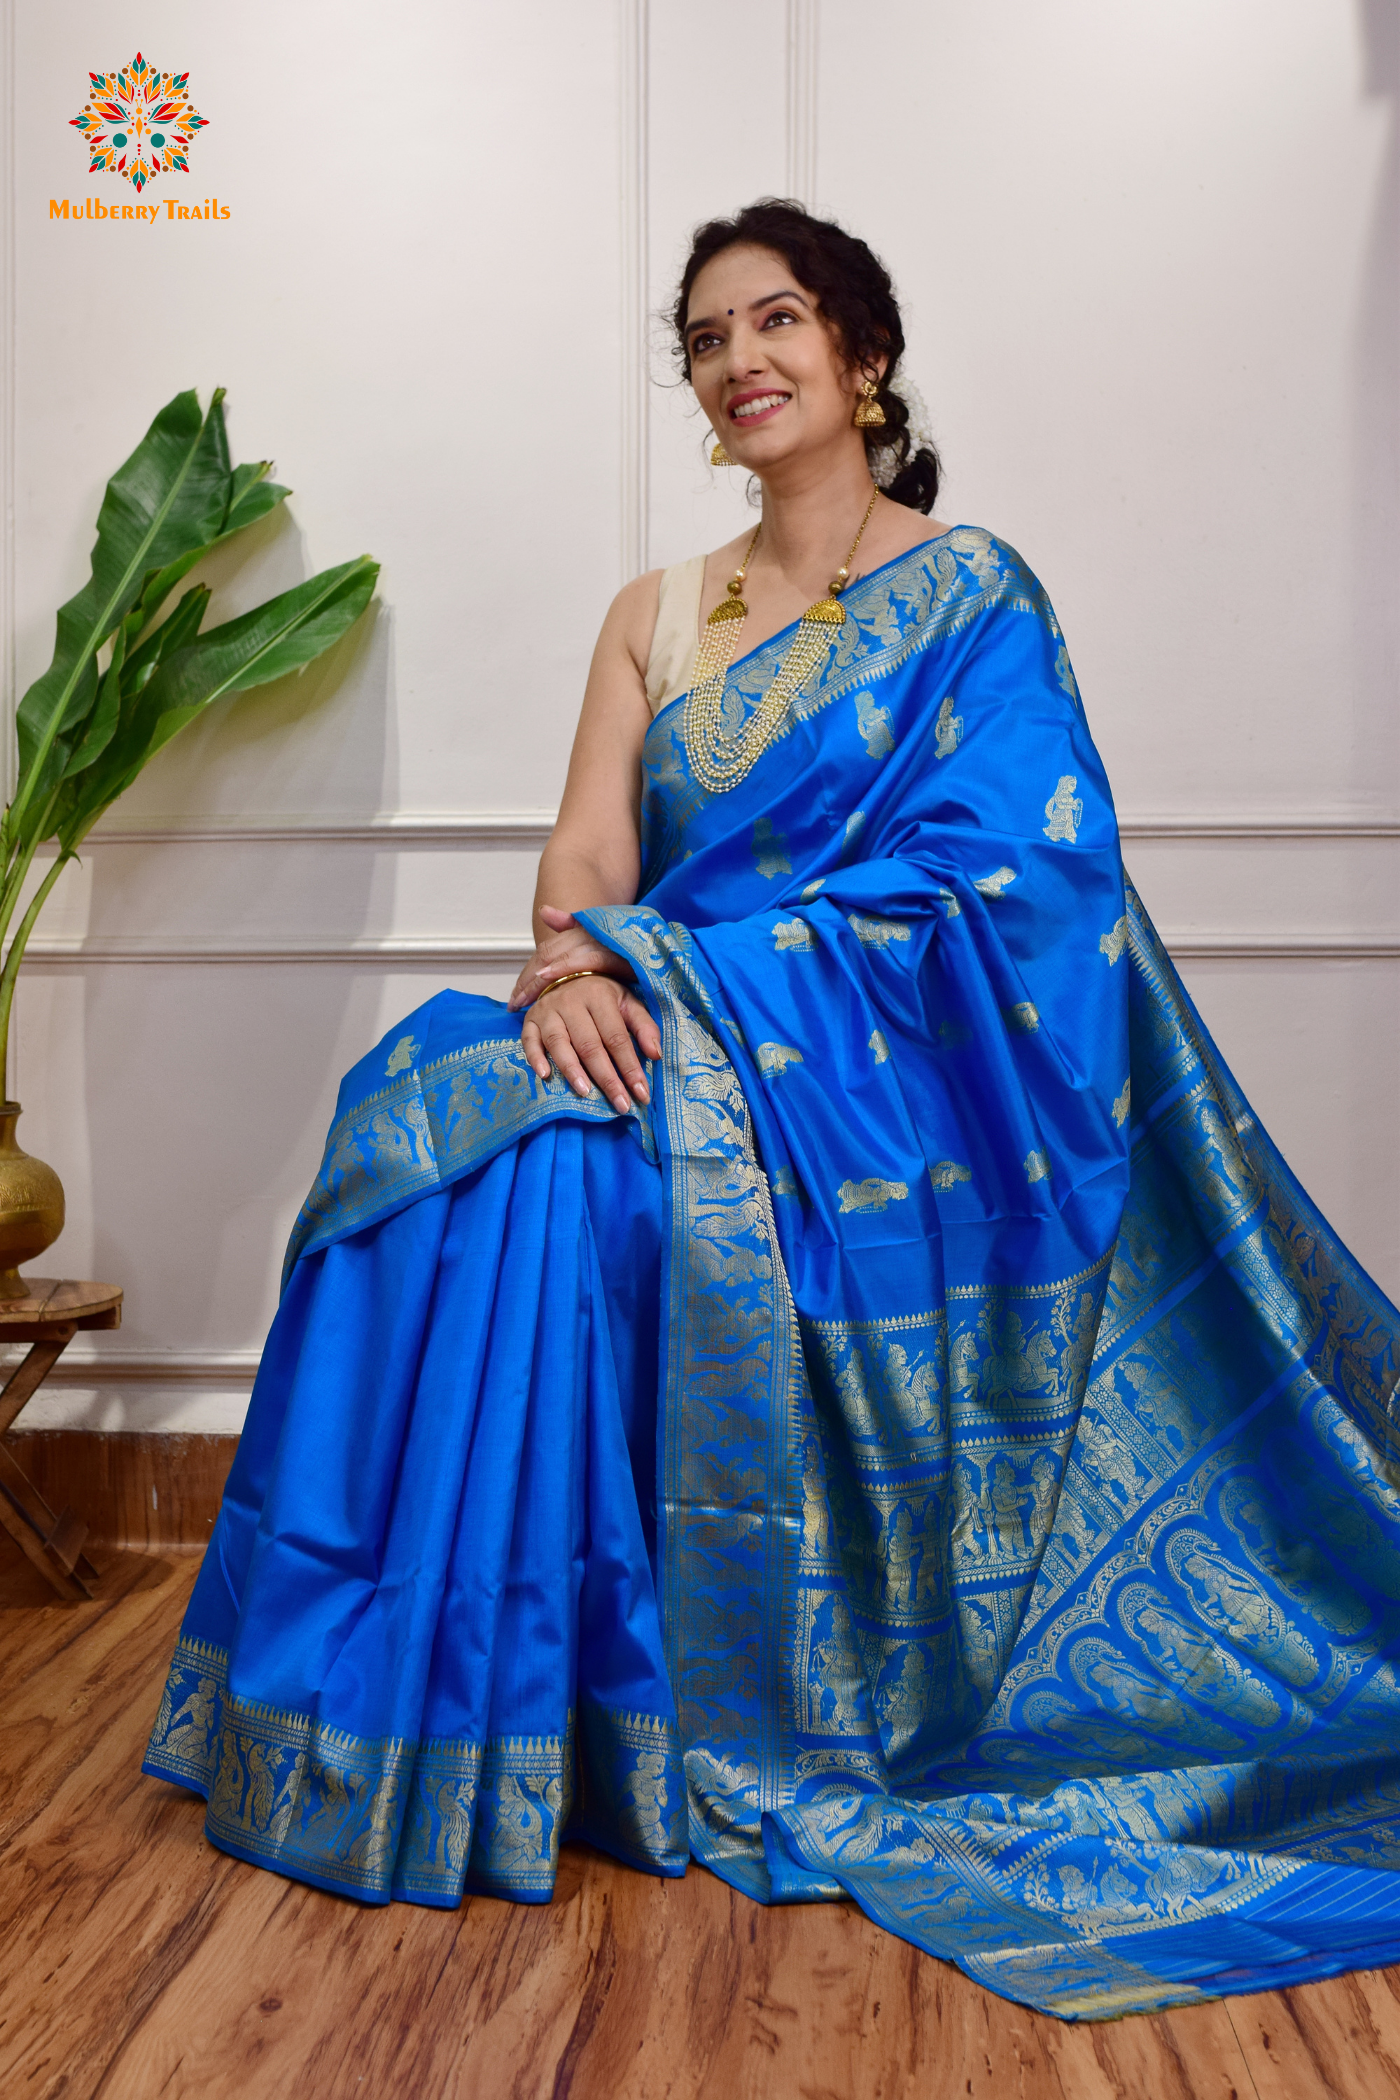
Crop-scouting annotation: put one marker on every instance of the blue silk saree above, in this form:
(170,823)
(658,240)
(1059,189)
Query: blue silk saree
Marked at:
(936,1454)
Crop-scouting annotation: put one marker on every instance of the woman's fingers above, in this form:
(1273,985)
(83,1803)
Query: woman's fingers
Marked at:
(585,1030)
(551,958)
(576,1046)
(562,924)
(553,1038)
(639,1021)
(598,1040)
(560,957)
(536,1056)
(618,1053)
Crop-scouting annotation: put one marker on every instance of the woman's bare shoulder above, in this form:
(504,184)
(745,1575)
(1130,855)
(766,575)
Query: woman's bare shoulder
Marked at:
(642,594)
(631,618)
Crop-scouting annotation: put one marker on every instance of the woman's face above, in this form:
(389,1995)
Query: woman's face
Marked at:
(765,366)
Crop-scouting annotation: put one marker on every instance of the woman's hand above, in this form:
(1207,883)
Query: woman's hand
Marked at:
(572,948)
(593,1029)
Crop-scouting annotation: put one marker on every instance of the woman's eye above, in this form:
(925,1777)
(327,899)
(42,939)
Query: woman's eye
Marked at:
(701,343)
(778,317)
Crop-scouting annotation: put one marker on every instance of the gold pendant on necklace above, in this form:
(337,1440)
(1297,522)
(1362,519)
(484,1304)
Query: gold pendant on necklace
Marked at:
(718,760)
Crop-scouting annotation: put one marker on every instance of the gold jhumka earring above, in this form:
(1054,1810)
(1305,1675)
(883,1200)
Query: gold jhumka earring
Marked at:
(720,458)
(869,415)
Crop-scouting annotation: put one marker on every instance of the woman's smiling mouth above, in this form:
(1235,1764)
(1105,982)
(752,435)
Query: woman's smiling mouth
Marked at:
(756,408)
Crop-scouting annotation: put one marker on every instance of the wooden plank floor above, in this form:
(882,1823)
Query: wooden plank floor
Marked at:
(137,1961)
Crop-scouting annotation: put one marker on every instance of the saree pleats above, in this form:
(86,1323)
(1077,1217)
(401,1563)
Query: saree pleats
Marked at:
(936,1454)
(430,1575)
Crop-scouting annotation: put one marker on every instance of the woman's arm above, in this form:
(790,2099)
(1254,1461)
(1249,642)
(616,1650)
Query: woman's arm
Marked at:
(587,1027)
(594,854)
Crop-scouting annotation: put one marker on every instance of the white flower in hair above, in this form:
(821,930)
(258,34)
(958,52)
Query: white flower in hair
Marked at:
(886,465)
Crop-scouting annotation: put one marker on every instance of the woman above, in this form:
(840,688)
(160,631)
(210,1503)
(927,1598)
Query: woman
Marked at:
(833,1381)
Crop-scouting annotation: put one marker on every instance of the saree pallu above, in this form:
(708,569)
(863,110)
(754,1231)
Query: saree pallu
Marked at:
(937,1454)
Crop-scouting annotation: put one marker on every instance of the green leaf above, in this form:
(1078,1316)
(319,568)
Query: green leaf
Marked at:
(281,636)
(168,499)
(268,642)
(156,588)
(81,801)
(101,724)
(55,718)
(251,496)
(172,634)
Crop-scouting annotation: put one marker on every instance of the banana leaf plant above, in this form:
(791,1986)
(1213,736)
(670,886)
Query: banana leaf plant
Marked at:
(124,680)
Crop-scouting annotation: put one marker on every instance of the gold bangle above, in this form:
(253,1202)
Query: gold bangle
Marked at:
(567,978)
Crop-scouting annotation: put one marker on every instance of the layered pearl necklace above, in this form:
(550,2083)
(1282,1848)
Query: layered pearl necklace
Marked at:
(718,760)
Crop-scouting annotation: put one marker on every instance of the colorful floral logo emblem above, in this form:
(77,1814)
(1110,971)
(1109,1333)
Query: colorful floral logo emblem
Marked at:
(138,123)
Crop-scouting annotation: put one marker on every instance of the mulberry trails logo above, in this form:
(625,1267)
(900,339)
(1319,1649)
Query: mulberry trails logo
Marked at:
(138,124)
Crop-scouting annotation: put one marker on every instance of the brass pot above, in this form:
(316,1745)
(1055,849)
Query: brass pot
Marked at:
(31,1206)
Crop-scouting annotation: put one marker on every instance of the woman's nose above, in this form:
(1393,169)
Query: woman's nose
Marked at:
(745,354)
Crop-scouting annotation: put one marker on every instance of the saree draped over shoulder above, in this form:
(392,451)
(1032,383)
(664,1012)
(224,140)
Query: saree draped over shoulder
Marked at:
(937,1454)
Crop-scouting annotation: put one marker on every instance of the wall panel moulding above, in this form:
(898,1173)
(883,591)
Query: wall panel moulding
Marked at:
(633,463)
(384,951)
(473,827)
(531,828)
(490,950)
(1282,947)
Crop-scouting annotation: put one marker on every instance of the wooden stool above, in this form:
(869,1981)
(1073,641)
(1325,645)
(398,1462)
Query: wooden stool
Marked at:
(48,1319)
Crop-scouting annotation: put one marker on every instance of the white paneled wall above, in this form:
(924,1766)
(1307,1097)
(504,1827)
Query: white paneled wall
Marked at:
(1148,258)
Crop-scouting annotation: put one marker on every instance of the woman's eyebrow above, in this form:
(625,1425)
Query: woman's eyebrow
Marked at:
(767,300)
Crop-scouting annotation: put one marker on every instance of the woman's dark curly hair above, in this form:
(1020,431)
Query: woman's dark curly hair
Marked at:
(854,294)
